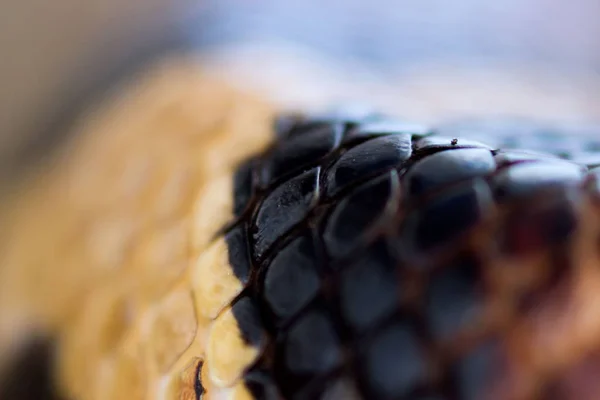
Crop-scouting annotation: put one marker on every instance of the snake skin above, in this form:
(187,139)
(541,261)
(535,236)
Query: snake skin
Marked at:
(374,246)
(185,246)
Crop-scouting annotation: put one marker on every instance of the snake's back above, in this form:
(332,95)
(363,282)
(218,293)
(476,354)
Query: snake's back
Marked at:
(207,246)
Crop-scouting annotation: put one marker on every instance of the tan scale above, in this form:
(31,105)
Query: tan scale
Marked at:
(212,212)
(213,280)
(227,353)
(171,329)
(237,392)
(125,269)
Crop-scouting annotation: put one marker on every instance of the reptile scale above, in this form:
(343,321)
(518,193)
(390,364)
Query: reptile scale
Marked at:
(207,246)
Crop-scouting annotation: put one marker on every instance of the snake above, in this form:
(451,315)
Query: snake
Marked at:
(193,241)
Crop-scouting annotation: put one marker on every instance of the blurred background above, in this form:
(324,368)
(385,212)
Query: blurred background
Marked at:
(424,59)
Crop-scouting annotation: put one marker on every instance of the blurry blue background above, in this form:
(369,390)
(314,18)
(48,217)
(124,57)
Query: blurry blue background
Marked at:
(56,56)
(427,59)
(388,33)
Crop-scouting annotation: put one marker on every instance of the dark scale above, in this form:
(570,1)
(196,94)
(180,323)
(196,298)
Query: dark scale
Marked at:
(547,221)
(286,206)
(244,186)
(356,215)
(447,167)
(394,362)
(300,151)
(527,178)
(477,368)
(247,315)
(368,159)
(342,388)
(238,254)
(444,219)
(309,349)
(292,279)
(369,289)
(340,214)
(433,144)
(290,126)
(261,385)
(454,298)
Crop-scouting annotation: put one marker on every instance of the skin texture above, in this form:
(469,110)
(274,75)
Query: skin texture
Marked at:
(113,249)
(108,242)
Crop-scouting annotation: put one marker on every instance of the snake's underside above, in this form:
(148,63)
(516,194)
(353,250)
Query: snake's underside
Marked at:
(204,246)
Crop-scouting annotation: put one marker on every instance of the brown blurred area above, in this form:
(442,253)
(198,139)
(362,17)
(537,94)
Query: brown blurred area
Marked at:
(55,57)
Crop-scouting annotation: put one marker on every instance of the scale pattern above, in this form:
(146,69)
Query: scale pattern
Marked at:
(182,248)
(390,261)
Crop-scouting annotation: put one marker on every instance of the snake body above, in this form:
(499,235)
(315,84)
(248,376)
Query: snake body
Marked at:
(209,247)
